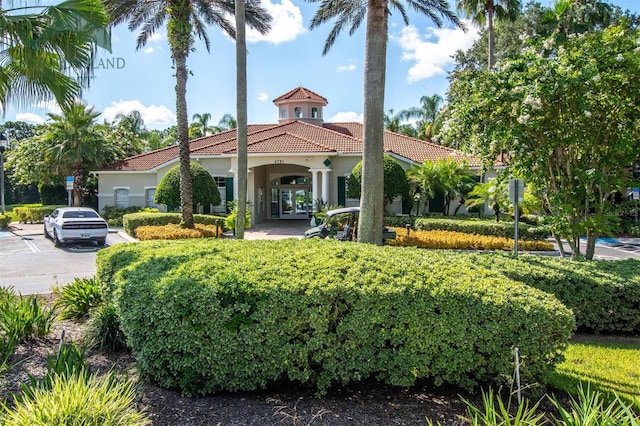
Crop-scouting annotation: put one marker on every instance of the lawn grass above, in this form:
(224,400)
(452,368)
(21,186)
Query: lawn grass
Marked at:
(607,364)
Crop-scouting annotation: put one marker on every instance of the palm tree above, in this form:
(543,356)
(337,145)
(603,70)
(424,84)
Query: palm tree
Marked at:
(454,180)
(241,111)
(228,122)
(481,11)
(78,144)
(201,122)
(185,19)
(49,54)
(427,114)
(576,17)
(351,13)
(392,121)
(426,177)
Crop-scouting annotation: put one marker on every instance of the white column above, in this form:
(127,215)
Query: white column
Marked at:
(325,185)
(235,184)
(314,187)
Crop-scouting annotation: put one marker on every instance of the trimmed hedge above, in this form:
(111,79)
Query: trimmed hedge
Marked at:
(176,232)
(33,214)
(5,220)
(133,220)
(483,227)
(462,241)
(604,296)
(230,315)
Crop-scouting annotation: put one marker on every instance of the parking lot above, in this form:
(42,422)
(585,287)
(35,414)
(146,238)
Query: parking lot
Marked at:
(31,264)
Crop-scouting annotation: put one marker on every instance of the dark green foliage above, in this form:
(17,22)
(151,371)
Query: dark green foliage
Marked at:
(104,330)
(53,194)
(395,181)
(232,315)
(205,190)
(604,296)
(483,227)
(75,300)
(133,220)
(113,215)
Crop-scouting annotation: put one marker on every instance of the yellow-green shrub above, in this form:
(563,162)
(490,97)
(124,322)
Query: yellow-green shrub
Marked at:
(219,314)
(176,232)
(462,241)
(132,221)
(5,220)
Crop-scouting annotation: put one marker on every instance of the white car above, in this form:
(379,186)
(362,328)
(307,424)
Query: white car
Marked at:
(75,224)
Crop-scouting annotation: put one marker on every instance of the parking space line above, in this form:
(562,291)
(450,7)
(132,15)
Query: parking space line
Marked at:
(31,245)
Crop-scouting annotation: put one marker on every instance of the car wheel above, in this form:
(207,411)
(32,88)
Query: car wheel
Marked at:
(56,241)
(101,242)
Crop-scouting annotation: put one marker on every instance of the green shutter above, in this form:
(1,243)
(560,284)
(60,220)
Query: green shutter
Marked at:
(342,191)
(228,184)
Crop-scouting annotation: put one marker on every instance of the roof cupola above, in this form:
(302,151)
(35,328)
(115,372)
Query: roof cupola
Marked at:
(300,104)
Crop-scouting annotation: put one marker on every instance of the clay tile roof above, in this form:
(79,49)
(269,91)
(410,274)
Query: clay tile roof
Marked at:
(296,137)
(301,93)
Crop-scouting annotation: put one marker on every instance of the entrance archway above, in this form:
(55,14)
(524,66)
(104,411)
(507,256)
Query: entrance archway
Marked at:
(291,197)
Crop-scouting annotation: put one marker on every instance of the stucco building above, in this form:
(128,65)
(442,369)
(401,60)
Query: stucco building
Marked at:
(292,164)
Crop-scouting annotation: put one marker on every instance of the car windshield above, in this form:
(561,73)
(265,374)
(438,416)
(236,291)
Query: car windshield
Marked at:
(79,215)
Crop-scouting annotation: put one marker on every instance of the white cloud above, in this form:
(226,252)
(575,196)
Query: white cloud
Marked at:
(263,97)
(344,117)
(432,52)
(49,106)
(154,116)
(349,67)
(29,117)
(287,23)
(149,50)
(158,36)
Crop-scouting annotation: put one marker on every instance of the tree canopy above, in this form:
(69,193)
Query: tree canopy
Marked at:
(395,181)
(567,114)
(205,189)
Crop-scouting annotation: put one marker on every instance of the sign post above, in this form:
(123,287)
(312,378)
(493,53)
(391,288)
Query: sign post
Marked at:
(516,195)
(636,196)
(69,180)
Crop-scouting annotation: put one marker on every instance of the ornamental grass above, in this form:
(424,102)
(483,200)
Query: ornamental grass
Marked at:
(176,232)
(462,241)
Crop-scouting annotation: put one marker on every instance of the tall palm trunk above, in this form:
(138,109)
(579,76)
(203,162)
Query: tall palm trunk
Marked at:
(78,171)
(372,203)
(490,12)
(180,42)
(241,112)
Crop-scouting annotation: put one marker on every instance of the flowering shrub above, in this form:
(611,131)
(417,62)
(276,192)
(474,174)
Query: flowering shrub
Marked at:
(459,240)
(176,232)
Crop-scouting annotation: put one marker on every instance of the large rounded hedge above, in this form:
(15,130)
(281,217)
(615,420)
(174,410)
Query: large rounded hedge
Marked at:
(236,315)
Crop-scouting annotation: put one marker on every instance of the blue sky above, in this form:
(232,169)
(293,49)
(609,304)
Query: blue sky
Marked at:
(418,59)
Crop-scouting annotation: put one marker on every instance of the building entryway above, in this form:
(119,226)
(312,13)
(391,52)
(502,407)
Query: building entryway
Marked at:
(291,198)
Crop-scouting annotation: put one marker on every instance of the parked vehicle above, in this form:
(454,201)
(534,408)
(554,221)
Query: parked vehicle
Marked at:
(75,224)
(341,224)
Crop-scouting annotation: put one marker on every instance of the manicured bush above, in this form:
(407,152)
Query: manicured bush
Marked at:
(604,296)
(33,214)
(462,241)
(483,227)
(134,220)
(5,220)
(78,400)
(113,215)
(204,188)
(176,232)
(212,315)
